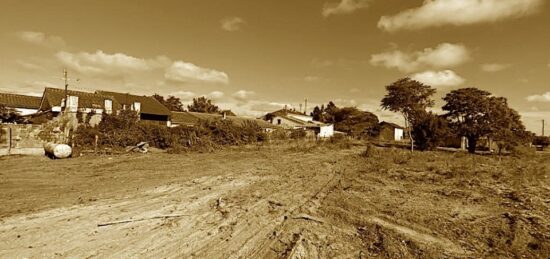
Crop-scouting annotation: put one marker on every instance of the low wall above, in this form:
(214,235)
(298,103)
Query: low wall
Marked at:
(21,140)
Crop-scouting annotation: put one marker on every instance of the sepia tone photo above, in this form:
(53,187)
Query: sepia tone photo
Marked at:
(274,129)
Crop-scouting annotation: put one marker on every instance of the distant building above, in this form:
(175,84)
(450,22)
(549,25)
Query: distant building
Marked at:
(291,119)
(90,105)
(24,104)
(148,108)
(192,119)
(391,131)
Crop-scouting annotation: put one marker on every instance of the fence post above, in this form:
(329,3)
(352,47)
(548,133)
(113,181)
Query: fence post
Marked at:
(9,140)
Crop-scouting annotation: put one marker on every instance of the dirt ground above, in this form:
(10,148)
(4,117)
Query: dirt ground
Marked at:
(301,201)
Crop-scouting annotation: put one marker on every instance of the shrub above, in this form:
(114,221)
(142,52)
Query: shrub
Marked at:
(370,151)
(279,134)
(429,131)
(125,129)
(298,134)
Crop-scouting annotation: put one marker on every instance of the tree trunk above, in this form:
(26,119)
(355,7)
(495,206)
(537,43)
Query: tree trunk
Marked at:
(409,131)
(472,142)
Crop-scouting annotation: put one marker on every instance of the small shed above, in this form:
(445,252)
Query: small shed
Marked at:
(391,131)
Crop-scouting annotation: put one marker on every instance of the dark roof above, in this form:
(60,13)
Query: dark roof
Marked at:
(193,118)
(286,112)
(149,105)
(20,101)
(393,125)
(54,97)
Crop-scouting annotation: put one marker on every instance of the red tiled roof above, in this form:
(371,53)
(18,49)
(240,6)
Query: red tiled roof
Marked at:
(149,105)
(20,101)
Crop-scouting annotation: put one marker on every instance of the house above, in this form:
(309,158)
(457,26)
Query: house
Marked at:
(291,119)
(89,106)
(391,131)
(148,108)
(24,104)
(192,119)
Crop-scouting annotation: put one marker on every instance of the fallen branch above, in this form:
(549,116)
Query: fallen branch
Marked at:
(137,220)
(308,217)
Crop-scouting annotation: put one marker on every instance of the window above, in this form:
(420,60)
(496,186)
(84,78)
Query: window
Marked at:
(73,103)
(278,121)
(137,107)
(108,106)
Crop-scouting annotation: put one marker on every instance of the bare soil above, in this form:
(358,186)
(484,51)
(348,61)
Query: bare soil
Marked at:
(302,201)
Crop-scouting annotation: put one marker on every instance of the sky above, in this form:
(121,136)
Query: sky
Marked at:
(255,56)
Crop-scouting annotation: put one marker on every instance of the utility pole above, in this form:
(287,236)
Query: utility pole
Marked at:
(66,88)
(305,106)
(543,128)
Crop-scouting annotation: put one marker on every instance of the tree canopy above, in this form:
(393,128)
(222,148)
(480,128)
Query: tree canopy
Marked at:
(172,103)
(204,105)
(410,98)
(351,120)
(474,113)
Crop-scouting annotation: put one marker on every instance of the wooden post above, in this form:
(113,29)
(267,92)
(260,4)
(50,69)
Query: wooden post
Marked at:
(9,139)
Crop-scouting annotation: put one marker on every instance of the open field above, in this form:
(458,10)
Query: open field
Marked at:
(299,201)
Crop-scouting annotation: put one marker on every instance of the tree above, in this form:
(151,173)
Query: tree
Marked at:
(506,127)
(10,115)
(468,114)
(410,98)
(317,112)
(474,113)
(350,120)
(356,123)
(204,105)
(429,130)
(172,103)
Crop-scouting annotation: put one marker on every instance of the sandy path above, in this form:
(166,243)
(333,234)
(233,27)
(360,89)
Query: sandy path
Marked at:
(217,216)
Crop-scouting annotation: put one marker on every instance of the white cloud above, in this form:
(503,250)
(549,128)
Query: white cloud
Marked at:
(243,94)
(445,55)
(184,95)
(344,7)
(215,95)
(545,97)
(101,63)
(446,78)
(458,12)
(232,23)
(119,64)
(494,67)
(40,38)
(181,71)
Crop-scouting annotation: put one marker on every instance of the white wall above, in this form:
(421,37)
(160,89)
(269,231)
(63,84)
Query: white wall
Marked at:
(326,131)
(398,134)
(26,111)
